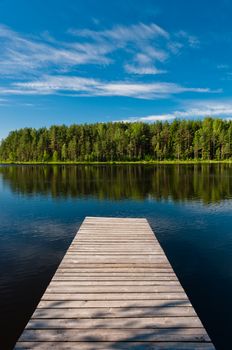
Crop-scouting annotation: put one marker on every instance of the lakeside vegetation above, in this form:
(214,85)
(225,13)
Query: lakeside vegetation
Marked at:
(139,162)
(179,141)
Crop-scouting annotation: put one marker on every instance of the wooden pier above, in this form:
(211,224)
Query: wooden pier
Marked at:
(114,289)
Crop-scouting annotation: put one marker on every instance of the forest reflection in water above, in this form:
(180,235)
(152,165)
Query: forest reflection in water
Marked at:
(210,183)
(188,207)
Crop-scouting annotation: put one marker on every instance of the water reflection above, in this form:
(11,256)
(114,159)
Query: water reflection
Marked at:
(188,206)
(209,183)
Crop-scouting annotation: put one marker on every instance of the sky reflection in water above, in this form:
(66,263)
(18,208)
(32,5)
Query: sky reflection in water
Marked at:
(188,206)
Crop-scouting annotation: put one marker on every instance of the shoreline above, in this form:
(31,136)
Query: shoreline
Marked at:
(153,162)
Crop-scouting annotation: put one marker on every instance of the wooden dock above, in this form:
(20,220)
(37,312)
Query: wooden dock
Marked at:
(114,289)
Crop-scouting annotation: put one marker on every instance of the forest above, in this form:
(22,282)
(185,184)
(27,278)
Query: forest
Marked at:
(207,139)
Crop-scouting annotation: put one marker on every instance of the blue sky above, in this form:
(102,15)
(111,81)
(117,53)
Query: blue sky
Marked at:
(67,62)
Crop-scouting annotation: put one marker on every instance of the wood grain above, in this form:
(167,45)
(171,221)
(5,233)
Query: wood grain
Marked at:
(115,289)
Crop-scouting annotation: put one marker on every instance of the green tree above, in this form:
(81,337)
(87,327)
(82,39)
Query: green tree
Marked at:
(206,139)
(55,156)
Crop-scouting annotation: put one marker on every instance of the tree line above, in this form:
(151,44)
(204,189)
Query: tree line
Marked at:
(207,139)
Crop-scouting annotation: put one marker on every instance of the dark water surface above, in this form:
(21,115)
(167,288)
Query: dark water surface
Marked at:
(189,207)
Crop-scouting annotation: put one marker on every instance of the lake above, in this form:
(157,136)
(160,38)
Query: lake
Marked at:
(188,206)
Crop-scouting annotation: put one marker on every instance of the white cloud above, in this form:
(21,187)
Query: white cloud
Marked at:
(150,54)
(29,59)
(146,43)
(207,108)
(143,70)
(175,47)
(20,55)
(122,33)
(26,55)
(79,86)
(4,102)
(143,62)
(144,46)
(141,41)
(196,109)
(191,40)
(151,118)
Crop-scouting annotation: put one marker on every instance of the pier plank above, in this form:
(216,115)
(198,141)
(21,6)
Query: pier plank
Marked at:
(112,346)
(114,289)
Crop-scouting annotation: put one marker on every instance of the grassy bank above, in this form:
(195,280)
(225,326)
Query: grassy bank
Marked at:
(228,161)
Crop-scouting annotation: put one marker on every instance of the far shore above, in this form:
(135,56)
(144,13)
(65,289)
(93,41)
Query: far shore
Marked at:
(142,162)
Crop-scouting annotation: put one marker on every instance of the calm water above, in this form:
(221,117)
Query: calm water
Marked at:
(189,207)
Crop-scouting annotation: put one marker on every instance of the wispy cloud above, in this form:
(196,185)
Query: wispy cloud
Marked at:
(191,40)
(145,47)
(25,59)
(143,69)
(120,33)
(151,118)
(4,102)
(147,44)
(21,55)
(195,110)
(79,86)
(142,43)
